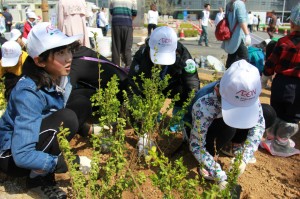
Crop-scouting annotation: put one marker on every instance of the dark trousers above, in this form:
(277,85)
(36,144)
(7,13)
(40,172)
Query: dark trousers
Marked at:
(104,31)
(221,134)
(150,28)
(204,36)
(8,27)
(240,53)
(285,97)
(80,103)
(122,38)
(250,26)
(270,31)
(47,139)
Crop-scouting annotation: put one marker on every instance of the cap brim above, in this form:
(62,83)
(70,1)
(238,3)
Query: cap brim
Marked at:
(15,37)
(63,42)
(240,117)
(9,62)
(163,58)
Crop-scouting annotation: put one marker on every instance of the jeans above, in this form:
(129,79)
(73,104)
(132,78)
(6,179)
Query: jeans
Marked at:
(47,140)
(203,36)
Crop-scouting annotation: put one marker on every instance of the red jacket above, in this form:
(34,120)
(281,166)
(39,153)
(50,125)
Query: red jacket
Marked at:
(27,28)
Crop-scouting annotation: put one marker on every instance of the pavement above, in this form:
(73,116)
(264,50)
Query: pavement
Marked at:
(195,50)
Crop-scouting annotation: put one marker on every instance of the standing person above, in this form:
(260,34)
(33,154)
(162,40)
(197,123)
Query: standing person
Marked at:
(30,22)
(258,19)
(272,24)
(93,16)
(278,22)
(152,18)
(203,22)
(8,19)
(224,111)
(220,15)
(285,89)
(102,21)
(122,12)
(255,22)
(250,21)
(71,19)
(236,46)
(36,110)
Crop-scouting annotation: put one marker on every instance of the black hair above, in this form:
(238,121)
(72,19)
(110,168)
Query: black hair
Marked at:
(269,48)
(205,5)
(38,74)
(4,8)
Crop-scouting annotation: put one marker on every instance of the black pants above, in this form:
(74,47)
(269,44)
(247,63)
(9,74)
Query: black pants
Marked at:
(240,53)
(47,139)
(285,97)
(270,31)
(122,38)
(150,28)
(104,31)
(79,102)
(222,134)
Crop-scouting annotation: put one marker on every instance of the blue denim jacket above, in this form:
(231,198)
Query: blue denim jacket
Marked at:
(21,122)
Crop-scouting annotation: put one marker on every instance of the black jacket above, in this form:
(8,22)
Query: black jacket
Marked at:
(85,73)
(181,81)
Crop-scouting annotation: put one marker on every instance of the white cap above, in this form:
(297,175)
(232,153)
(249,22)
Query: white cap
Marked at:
(163,45)
(94,7)
(44,36)
(11,52)
(14,34)
(240,88)
(31,15)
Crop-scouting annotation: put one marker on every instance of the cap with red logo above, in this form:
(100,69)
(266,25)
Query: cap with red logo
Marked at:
(240,88)
(163,45)
(43,36)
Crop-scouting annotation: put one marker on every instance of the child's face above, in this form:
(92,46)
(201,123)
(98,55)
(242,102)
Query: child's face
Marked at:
(59,63)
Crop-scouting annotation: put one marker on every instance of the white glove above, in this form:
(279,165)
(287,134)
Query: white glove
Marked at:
(85,164)
(247,40)
(97,129)
(242,167)
(222,185)
(264,80)
(144,144)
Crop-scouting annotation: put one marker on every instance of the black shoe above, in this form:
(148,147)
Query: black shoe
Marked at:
(46,187)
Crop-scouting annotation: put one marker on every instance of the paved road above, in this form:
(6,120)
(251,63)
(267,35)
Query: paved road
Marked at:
(215,49)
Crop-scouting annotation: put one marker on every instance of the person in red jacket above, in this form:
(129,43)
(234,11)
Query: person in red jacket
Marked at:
(30,22)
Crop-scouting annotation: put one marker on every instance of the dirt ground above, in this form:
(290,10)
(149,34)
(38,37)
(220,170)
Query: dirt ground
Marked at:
(269,177)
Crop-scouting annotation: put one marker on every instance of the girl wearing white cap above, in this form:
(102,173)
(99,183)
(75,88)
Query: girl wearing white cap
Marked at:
(30,22)
(11,64)
(224,111)
(37,107)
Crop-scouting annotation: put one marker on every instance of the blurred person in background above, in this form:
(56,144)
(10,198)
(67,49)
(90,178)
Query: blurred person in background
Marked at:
(152,17)
(284,62)
(30,22)
(71,19)
(220,15)
(8,19)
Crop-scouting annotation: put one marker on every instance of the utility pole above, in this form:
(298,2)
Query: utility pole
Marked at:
(283,11)
(45,10)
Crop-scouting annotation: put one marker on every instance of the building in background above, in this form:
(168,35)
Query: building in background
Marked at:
(192,7)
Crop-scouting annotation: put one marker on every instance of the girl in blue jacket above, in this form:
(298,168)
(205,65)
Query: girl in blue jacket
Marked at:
(37,108)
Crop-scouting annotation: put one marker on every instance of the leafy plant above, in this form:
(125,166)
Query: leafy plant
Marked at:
(2,97)
(171,176)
